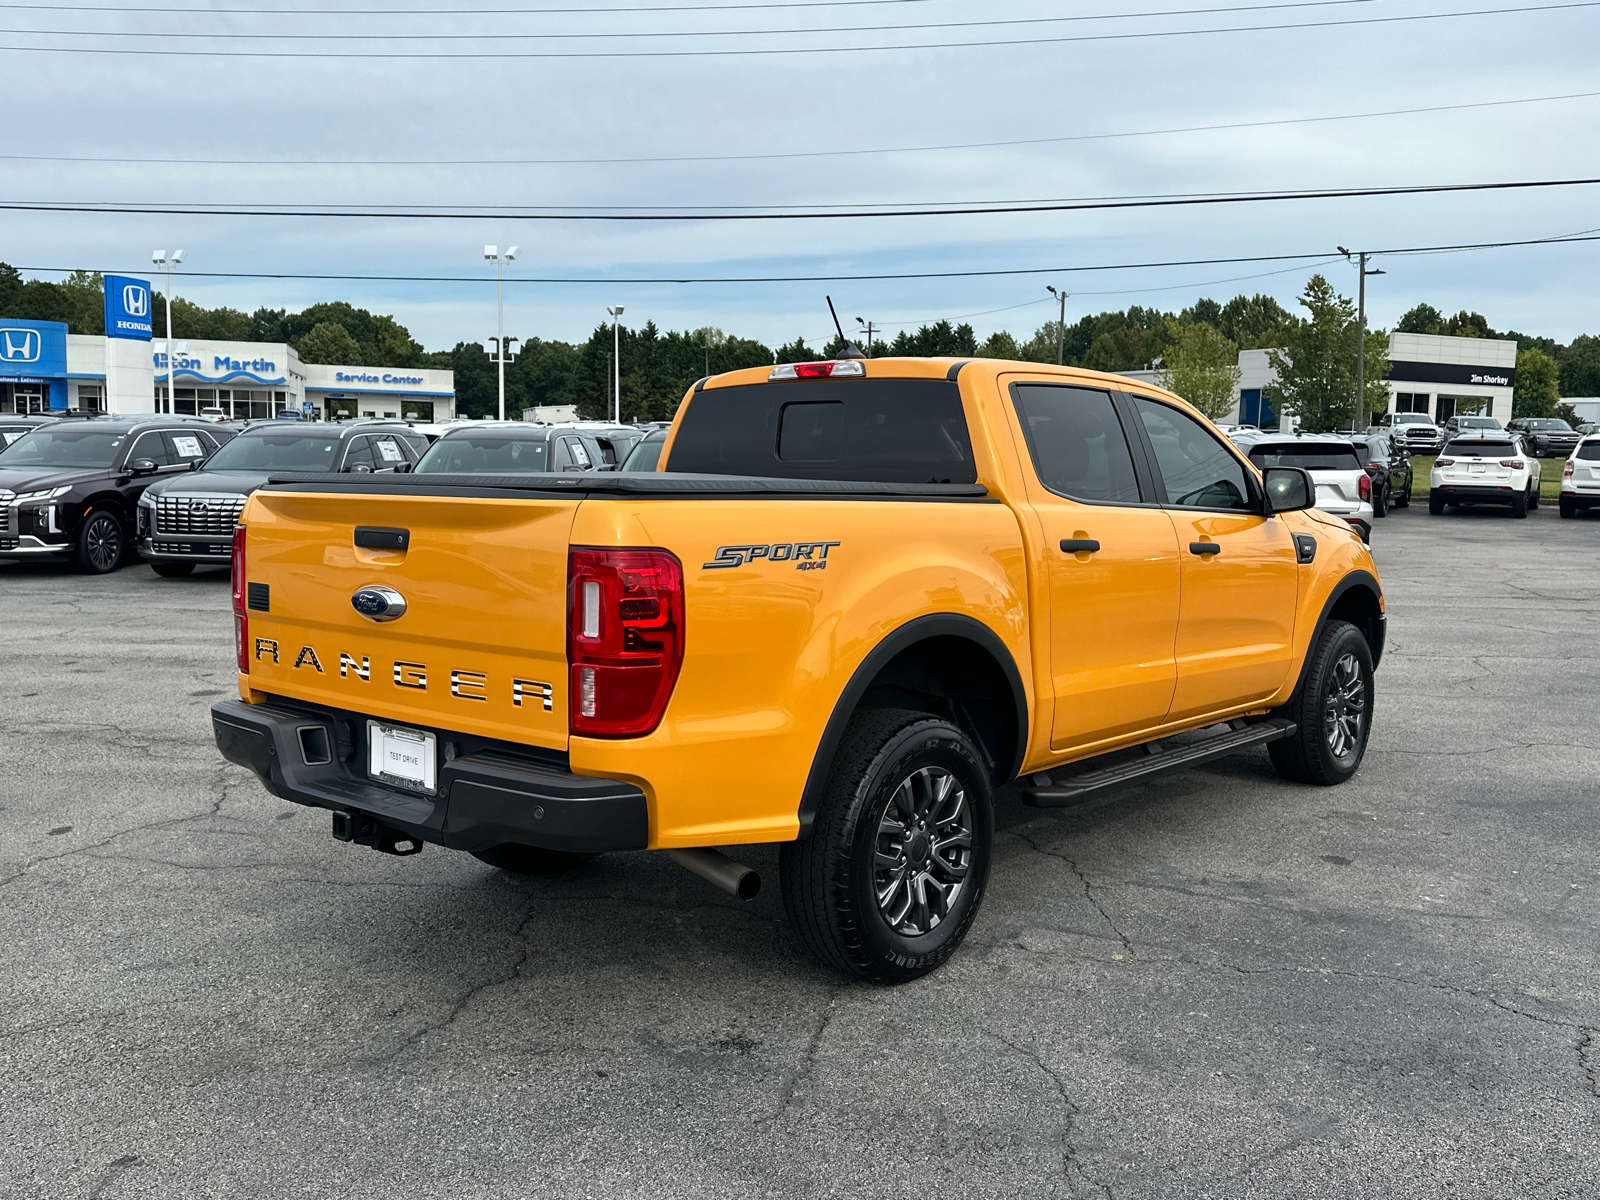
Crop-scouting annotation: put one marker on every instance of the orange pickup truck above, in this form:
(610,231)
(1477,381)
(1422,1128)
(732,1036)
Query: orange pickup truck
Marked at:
(855,599)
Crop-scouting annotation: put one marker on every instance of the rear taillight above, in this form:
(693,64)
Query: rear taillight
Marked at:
(1567,468)
(624,639)
(1514,463)
(1444,462)
(241,620)
(1364,487)
(818,370)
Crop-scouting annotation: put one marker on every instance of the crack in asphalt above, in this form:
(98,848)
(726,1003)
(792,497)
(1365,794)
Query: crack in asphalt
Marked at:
(1585,1041)
(793,1081)
(1088,892)
(113,1170)
(1070,1163)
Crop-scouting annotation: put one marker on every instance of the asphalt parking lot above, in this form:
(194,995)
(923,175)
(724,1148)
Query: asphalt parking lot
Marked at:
(1219,984)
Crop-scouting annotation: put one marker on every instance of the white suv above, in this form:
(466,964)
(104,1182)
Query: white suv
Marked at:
(1580,477)
(1344,489)
(1491,468)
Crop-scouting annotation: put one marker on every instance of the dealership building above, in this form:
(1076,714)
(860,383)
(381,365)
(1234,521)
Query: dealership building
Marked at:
(1439,376)
(43,368)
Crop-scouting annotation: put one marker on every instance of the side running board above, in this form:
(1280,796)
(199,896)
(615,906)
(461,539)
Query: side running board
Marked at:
(1079,789)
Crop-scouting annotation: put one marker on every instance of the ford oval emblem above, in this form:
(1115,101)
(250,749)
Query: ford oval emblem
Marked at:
(379,603)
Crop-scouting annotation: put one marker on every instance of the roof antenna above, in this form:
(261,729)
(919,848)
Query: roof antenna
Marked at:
(851,350)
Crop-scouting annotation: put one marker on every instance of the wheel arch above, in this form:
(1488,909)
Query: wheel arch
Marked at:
(1357,598)
(944,658)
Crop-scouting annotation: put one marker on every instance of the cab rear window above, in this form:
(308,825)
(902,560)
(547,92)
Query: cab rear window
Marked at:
(861,430)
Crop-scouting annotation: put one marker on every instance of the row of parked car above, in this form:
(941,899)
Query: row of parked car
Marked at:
(93,489)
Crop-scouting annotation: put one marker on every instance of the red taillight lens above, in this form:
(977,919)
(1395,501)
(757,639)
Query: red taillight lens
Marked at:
(1514,463)
(1364,487)
(1444,462)
(241,620)
(1567,468)
(624,639)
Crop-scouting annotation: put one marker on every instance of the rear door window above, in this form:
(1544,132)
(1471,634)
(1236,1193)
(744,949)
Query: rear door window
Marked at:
(862,430)
(1195,469)
(386,452)
(187,446)
(1078,447)
(153,446)
(358,455)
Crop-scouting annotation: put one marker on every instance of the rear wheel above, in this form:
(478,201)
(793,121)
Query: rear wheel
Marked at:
(530,860)
(100,544)
(172,570)
(1436,502)
(892,875)
(1380,502)
(1332,710)
(1533,496)
(1519,505)
(1568,508)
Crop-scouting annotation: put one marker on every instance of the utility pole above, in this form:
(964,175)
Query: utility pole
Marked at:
(869,327)
(1361,330)
(492,253)
(1061,326)
(616,363)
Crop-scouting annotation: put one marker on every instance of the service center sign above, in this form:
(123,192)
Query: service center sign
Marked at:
(128,307)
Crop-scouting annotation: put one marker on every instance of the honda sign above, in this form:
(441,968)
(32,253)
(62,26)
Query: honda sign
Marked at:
(127,308)
(32,351)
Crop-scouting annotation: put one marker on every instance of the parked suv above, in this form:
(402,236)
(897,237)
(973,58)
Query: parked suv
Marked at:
(14,425)
(1344,488)
(1486,469)
(1547,437)
(1414,432)
(69,489)
(1390,468)
(1580,477)
(513,448)
(189,520)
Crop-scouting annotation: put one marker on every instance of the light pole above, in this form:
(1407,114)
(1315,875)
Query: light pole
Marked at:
(869,327)
(492,254)
(168,264)
(1361,330)
(1061,326)
(616,362)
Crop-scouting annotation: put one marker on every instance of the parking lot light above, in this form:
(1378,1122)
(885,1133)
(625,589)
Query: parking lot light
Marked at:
(168,263)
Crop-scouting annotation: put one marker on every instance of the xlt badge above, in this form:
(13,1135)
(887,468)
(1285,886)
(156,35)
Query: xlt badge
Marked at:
(378,603)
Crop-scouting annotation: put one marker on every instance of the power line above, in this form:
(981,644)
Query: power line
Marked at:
(228,35)
(392,55)
(1321,255)
(138,10)
(992,209)
(795,154)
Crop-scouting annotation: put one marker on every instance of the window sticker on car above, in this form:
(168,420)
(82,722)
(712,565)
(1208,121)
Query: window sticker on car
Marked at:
(390,451)
(188,445)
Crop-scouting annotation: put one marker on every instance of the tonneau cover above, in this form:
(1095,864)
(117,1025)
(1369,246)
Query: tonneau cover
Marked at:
(640,485)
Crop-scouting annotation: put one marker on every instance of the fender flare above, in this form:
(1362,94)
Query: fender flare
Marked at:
(917,630)
(1355,579)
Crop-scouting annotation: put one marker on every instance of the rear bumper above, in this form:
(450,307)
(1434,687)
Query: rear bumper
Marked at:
(485,798)
(1479,493)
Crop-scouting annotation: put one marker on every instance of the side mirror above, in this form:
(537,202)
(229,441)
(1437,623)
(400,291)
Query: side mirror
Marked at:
(361,469)
(197,464)
(142,466)
(402,468)
(1288,489)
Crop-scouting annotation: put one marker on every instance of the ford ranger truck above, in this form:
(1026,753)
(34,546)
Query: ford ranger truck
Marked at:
(856,599)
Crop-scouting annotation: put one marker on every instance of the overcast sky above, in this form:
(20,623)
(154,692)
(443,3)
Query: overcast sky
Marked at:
(328,113)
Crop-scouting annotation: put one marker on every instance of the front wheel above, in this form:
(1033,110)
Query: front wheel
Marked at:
(1332,710)
(1436,503)
(99,546)
(172,570)
(892,875)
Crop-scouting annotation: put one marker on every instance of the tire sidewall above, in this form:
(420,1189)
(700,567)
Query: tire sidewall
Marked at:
(85,560)
(1346,639)
(927,743)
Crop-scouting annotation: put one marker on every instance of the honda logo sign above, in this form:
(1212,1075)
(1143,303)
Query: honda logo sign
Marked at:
(127,308)
(19,345)
(136,300)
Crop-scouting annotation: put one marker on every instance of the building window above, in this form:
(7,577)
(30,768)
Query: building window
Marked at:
(183,401)
(92,397)
(1411,402)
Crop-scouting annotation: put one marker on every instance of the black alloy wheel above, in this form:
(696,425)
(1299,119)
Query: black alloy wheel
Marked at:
(100,544)
(1332,710)
(897,863)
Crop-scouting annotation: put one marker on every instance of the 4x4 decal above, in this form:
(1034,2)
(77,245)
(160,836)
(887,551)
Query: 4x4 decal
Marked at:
(799,553)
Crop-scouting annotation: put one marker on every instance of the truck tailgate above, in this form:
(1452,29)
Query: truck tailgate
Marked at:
(481,644)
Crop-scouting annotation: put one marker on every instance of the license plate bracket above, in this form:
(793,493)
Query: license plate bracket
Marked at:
(402,757)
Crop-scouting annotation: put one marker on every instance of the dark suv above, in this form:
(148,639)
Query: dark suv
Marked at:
(1390,468)
(189,520)
(1546,437)
(69,489)
(14,425)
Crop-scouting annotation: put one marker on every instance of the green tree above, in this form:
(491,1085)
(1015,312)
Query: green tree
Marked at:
(999,345)
(1255,322)
(796,351)
(1537,390)
(1469,324)
(1580,367)
(327,342)
(1316,366)
(1202,366)
(1424,318)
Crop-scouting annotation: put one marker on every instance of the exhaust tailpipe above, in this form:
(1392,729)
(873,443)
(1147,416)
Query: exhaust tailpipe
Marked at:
(716,867)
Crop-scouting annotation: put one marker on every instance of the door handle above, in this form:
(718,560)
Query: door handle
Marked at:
(1077,545)
(1204,548)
